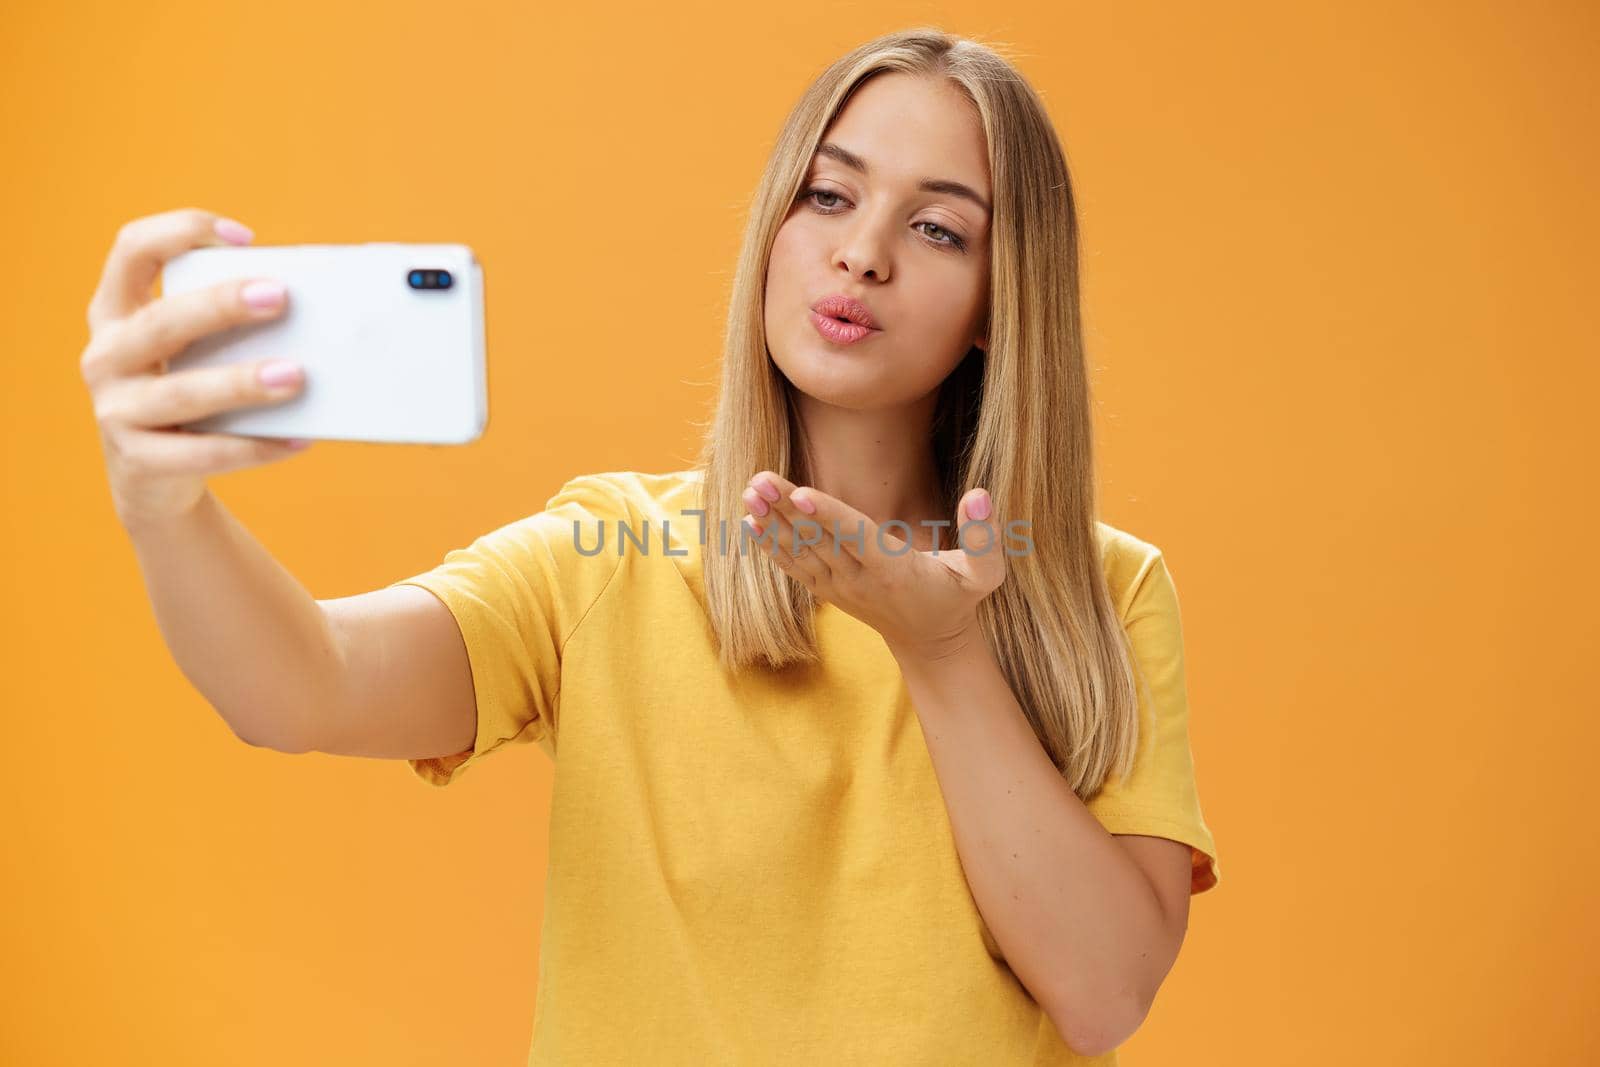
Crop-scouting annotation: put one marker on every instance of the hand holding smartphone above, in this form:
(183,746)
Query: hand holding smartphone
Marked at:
(389,336)
(427,386)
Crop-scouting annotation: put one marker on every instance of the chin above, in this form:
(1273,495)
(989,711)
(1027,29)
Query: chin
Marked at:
(825,377)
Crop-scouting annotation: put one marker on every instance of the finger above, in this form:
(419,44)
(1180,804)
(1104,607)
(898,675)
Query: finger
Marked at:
(875,539)
(839,543)
(143,246)
(776,533)
(855,535)
(976,534)
(163,328)
(754,537)
(839,560)
(761,496)
(152,401)
(767,537)
(188,453)
(978,539)
(794,550)
(774,489)
(766,528)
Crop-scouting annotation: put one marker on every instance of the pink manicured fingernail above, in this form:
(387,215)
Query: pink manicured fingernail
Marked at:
(804,504)
(979,509)
(263,294)
(235,233)
(767,489)
(758,505)
(278,373)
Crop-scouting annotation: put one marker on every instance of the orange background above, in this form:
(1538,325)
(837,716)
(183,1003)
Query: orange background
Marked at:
(1339,288)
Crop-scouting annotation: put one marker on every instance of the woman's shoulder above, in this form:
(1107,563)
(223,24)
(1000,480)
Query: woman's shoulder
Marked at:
(633,495)
(1129,563)
(655,515)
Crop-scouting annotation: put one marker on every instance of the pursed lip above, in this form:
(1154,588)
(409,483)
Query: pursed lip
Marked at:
(838,305)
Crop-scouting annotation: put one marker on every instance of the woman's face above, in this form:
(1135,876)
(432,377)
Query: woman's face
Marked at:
(917,258)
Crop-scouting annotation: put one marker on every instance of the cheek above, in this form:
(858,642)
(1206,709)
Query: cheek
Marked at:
(786,267)
(777,297)
(780,267)
(950,302)
(785,244)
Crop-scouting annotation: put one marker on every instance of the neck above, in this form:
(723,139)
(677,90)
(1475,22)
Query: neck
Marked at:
(878,462)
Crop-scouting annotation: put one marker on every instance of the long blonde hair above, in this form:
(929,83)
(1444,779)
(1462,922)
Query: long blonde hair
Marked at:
(1014,420)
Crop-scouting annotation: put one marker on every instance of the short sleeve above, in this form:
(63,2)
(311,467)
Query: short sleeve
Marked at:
(1159,797)
(518,594)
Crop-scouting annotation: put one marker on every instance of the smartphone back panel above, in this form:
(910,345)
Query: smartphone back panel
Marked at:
(384,360)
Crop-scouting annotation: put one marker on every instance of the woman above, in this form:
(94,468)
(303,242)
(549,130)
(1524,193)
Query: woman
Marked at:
(826,791)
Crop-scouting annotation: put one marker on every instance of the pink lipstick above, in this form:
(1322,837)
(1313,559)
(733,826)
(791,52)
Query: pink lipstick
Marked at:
(843,319)
(840,333)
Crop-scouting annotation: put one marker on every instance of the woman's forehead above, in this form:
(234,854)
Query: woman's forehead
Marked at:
(921,129)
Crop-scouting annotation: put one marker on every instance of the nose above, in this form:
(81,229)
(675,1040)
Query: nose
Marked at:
(863,251)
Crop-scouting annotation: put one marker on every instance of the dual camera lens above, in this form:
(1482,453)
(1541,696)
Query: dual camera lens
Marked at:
(429,279)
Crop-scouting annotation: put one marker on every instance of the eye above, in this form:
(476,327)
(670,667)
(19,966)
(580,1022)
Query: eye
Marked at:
(953,242)
(812,193)
(949,240)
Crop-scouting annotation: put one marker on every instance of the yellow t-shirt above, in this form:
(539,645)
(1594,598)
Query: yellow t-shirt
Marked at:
(756,868)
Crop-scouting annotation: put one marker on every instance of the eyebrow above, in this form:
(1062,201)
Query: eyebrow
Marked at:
(930,185)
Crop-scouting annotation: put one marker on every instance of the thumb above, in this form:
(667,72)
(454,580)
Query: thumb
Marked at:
(975,505)
(978,537)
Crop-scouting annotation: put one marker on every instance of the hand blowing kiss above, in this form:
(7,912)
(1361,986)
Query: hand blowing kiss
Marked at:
(924,604)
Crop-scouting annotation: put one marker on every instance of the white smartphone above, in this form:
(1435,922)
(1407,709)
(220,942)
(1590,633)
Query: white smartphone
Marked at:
(390,335)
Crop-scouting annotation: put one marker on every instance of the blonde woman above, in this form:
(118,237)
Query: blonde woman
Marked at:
(871,739)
